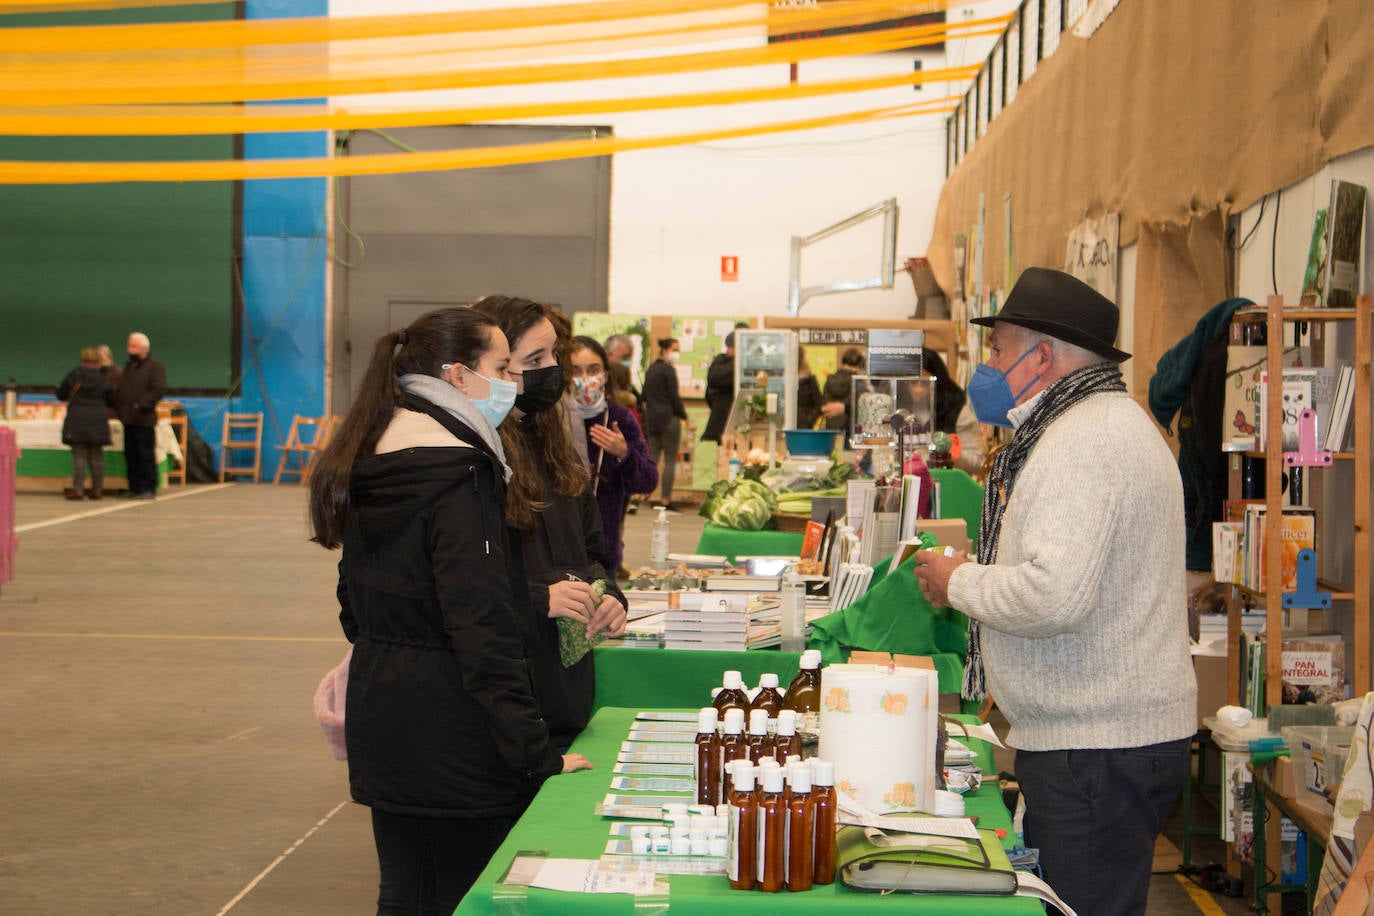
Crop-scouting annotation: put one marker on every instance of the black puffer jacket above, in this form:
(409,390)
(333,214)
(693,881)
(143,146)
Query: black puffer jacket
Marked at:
(441,715)
(142,384)
(89,396)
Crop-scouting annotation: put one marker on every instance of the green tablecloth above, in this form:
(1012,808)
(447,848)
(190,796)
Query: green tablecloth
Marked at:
(560,820)
(667,678)
(960,497)
(57,462)
(729,543)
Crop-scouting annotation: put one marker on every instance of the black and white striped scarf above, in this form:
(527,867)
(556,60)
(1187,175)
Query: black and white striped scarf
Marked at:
(1058,398)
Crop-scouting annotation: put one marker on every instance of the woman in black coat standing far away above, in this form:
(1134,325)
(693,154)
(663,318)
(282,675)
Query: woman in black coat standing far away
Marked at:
(89,395)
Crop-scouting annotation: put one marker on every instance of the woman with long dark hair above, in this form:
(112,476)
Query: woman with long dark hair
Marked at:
(552,506)
(444,735)
(616,450)
(664,415)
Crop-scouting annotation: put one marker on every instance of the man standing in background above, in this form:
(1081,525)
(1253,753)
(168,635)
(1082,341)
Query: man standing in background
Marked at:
(142,385)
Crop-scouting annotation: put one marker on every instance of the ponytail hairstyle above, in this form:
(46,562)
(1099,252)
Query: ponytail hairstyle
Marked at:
(545,432)
(447,335)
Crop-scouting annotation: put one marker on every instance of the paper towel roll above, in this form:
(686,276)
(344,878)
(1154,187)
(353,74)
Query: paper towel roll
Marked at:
(879,727)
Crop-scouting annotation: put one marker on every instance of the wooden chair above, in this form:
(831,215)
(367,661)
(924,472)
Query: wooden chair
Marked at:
(242,432)
(305,438)
(178,473)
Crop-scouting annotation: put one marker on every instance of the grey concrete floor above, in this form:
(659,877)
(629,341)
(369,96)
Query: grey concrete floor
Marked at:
(160,753)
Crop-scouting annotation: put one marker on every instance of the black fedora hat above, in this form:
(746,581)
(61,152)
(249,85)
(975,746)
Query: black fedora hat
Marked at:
(1064,307)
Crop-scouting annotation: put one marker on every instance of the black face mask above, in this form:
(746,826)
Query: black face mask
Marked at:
(543,388)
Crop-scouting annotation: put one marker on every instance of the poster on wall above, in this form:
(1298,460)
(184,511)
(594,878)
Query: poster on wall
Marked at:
(700,339)
(1091,252)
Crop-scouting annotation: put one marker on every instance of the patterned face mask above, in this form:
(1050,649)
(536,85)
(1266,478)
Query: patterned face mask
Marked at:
(590,390)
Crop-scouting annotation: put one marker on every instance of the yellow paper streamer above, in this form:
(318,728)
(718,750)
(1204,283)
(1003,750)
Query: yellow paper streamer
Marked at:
(391,163)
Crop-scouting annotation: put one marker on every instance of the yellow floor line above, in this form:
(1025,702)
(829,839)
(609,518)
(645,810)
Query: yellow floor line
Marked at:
(1204,900)
(119,506)
(332,639)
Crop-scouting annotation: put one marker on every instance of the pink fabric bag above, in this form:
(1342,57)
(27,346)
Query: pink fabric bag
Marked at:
(329,705)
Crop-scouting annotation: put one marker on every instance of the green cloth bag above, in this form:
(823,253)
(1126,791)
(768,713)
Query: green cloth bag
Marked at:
(893,616)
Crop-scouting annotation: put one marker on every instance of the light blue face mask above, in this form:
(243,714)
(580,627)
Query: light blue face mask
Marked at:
(990,395)
(499,400)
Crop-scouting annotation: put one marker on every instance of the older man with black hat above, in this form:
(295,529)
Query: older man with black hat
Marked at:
(1077,598)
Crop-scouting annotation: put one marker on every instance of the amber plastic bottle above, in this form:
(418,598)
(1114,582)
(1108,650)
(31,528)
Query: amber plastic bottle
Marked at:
(772,832)
(732,695)
(786,742)
(801,831)
(708,758)
(732,746)
(804,693)
(823,796)
(744,830)
(769,697)
(757,740)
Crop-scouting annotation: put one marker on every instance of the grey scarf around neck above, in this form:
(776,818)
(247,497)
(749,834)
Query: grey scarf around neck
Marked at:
(441,394)
(1056,400)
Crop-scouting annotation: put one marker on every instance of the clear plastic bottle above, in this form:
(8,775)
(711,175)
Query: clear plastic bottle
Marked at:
(732,746)
(823,776)
(757,741)
(793,614)
(772,831)
(742,867)
(804,693)
(801,830)
(658,545)
(708,758)
(787,742)
(732,695)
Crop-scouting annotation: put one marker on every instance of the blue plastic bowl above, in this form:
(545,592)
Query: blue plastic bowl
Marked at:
(810,443)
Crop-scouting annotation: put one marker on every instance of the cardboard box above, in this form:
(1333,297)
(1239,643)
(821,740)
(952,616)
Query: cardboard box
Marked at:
(949,532)
(1211,685)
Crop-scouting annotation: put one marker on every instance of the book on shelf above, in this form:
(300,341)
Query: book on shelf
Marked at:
(1303,386)
(1314,276)
(1245,364)
(1338,433)
(1314,669)
(1344,228)
(1299,532)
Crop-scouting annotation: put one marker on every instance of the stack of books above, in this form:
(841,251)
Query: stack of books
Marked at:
(718,623)
(1238,544)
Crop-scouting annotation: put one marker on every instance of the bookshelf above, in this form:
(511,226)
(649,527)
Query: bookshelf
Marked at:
(1275,315)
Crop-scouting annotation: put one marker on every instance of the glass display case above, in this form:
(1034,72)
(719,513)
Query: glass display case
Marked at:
(878,399)
(766,377)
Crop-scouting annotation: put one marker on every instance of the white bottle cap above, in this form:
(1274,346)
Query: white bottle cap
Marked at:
(811,658)
(744,776)
(799,777)
(681,846)
(734,721)
(769,762)
(733,680)
(758,722)
(706,719)
(702,810)
(680,830)
(823,772)
(772,779)
(768,680)
(791,759)
(787,723)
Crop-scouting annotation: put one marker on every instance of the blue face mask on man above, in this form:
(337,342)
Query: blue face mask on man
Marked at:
(990,395)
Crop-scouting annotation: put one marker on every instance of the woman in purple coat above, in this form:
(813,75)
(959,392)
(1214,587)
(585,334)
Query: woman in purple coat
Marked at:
(616,449)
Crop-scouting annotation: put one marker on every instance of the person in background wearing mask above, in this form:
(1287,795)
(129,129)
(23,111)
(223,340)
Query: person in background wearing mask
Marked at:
(620,350)
(140,388)
(1077,598)
(445,739)
(552,508)
(720,390)
(664,416)
(839,390)
(616,449)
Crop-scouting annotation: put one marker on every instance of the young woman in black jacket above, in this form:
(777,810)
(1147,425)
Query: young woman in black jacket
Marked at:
(552,507)
(664,415)
(445,739)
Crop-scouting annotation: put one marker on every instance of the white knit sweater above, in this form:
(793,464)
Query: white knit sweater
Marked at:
(1084,614)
